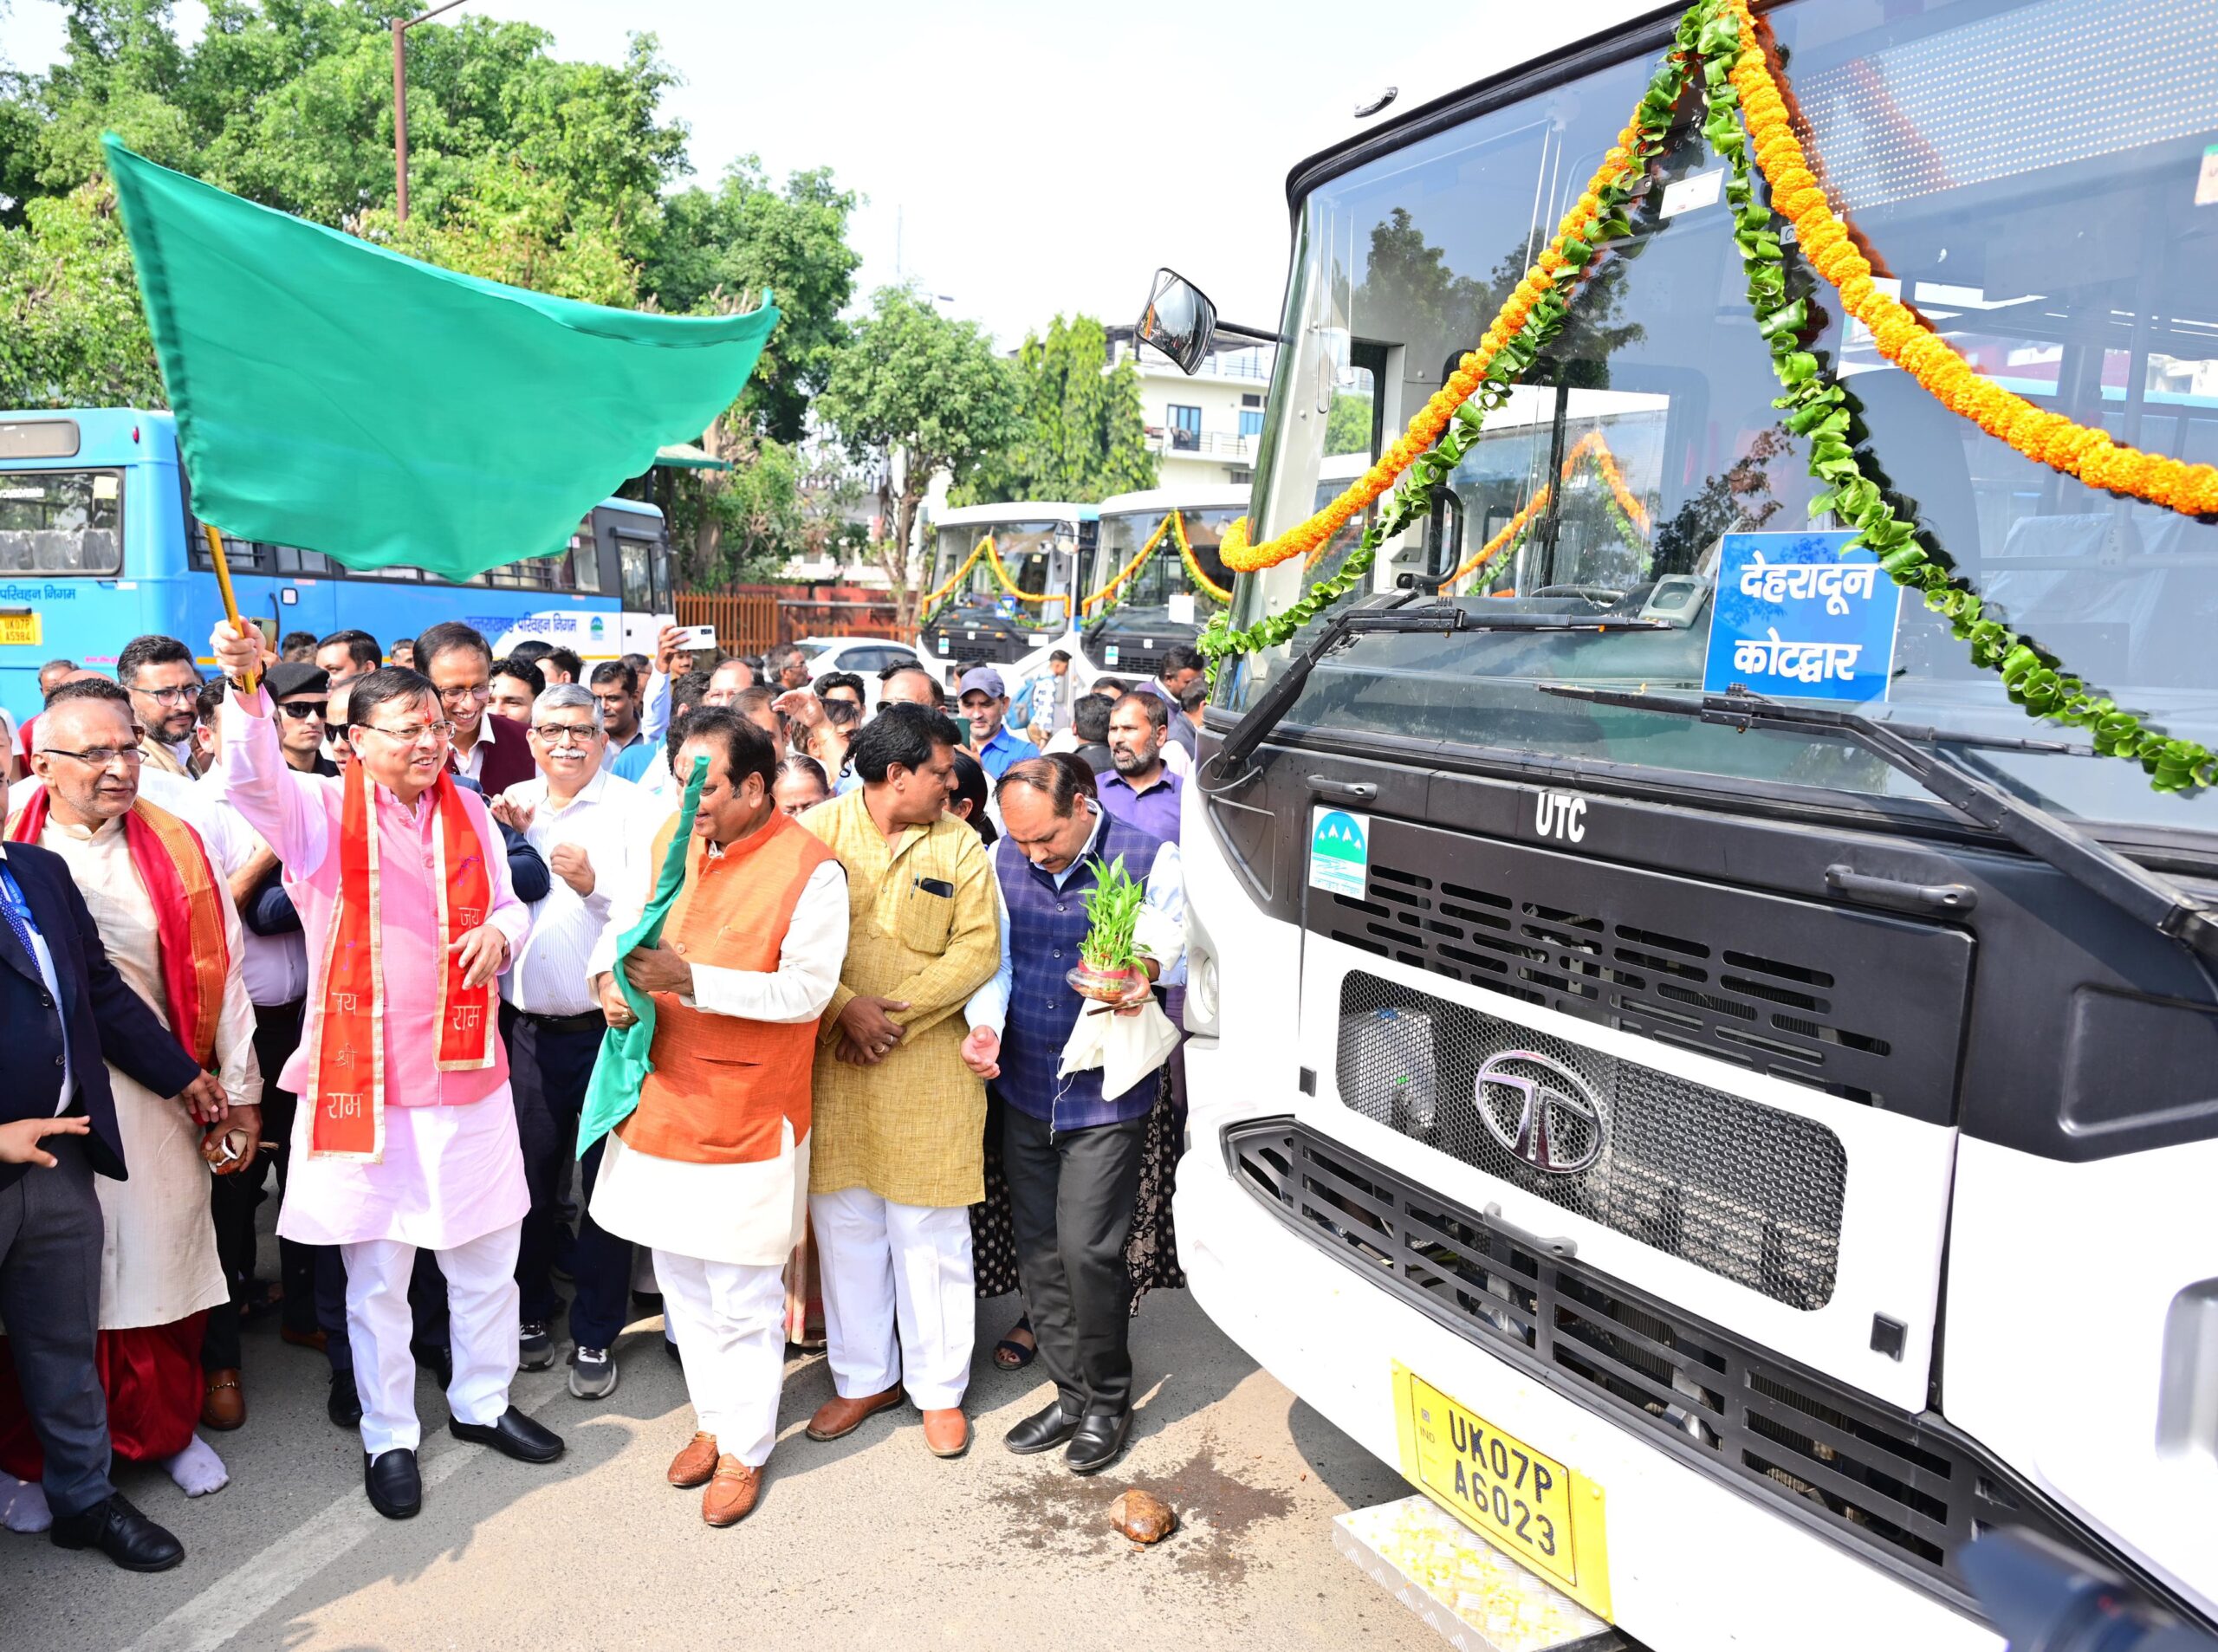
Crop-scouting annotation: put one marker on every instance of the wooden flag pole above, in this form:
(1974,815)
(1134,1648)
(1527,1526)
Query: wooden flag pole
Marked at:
(224,585)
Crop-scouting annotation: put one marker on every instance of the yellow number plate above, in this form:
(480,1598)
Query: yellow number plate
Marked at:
(1545,1514)
(20,628)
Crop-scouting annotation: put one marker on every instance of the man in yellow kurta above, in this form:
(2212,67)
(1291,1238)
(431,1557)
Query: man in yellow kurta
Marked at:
(898,1156)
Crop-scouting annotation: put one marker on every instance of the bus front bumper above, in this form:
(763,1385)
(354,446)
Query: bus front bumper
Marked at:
(1693,1564)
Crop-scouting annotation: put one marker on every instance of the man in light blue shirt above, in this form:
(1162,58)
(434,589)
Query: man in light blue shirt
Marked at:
(984,700)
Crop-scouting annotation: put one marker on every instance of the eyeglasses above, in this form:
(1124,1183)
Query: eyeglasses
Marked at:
(466,691)
(171,696)
(409,737)
(301,710)
(100,756)
(566,734)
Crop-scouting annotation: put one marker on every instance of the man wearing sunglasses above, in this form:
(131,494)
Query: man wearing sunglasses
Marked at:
(164,687)
(589,825)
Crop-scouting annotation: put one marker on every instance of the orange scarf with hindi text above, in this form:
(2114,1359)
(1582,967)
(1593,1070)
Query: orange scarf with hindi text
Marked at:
(346,1095)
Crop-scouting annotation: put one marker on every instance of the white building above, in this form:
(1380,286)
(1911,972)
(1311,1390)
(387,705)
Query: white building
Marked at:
(1205,427)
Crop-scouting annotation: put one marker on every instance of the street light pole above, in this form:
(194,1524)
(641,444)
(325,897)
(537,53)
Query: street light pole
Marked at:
(401,28)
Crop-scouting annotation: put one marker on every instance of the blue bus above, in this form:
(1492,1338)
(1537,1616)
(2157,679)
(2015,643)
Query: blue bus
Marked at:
(98,544)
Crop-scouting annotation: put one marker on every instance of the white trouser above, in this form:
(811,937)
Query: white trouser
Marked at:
(730,1318)
(482,1301)
(899,1302)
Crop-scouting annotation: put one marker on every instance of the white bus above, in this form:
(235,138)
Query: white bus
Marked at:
(1728,1174)
(1042,545)
(1129,615)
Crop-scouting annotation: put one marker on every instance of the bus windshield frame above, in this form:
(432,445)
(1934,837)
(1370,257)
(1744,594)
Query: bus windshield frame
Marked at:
(2062,263)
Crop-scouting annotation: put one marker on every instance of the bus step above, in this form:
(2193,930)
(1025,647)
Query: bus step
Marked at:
(1476,1596)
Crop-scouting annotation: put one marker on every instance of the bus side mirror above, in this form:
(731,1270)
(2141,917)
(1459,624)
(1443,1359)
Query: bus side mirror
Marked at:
(1179,319)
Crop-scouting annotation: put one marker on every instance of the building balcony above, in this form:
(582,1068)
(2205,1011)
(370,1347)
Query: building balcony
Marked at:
(1172,442)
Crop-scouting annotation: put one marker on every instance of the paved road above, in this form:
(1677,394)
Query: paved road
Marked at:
(869,1542)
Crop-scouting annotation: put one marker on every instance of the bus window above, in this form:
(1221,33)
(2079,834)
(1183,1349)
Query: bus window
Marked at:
(60,521)
(633,559)
(585,565)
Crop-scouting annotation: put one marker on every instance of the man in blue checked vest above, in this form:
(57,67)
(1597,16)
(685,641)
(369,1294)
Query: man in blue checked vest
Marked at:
(1071,1154)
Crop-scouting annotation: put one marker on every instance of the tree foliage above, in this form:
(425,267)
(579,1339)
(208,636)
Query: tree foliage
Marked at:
(524,168)
(1081,433)
(910,382)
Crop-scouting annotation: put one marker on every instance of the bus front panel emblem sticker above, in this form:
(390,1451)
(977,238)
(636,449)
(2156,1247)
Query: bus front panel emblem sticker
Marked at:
(1540,1111)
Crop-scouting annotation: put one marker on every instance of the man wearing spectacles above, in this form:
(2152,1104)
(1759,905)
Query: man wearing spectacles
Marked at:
(487,747)
(167,923)
(589,825)
(163,684)
(405,1139)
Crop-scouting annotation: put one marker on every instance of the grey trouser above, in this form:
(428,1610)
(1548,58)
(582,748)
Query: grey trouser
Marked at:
(50,1297)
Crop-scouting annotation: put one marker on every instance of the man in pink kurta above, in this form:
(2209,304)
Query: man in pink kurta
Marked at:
(448,1174)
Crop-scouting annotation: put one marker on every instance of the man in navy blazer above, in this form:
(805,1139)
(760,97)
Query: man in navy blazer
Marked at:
(67,1013)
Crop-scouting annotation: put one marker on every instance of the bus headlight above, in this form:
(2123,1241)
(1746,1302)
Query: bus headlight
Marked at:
(1202,1000)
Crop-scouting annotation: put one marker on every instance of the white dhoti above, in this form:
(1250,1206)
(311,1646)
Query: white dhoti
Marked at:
(899,1296)
(720,1234)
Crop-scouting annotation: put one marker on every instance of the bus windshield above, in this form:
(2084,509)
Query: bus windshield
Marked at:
(1035,555)
(2032,179)
(60,521)
(1146,591)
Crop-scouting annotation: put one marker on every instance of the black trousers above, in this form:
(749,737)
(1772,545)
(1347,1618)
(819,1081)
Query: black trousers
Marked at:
(1070,1199)
(550,1064)
(233,1201)
(50,1235)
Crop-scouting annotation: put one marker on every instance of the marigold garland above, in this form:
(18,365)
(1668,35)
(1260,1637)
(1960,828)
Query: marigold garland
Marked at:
(1722,35)
(1631,516)
(2049,438)
(1130,568)
(1194,569)
(987,549)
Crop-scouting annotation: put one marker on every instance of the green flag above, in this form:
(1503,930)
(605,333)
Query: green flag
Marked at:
(622,1065)
(338,397)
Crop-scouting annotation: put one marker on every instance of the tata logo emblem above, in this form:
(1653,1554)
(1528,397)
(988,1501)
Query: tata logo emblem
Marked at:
(1540,1111)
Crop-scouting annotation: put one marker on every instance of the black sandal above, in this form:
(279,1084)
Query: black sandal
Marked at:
(1011,1355)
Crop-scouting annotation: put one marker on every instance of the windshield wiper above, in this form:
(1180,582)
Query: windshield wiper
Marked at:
(1395,616)
(1918,752)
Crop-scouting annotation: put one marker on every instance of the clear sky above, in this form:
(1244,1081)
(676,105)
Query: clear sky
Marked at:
(1021,158)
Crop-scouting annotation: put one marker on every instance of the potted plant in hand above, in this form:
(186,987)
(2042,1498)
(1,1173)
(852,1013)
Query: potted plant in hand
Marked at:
(1109,958)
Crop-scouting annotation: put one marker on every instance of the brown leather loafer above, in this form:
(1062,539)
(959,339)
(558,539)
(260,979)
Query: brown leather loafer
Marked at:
(694,1464)
(731,1495)
(840,1416)
(947,1432)
(317,1339)
(224,1405)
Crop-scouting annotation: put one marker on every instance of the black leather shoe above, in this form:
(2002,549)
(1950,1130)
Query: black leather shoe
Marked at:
(1042,1430)
(437,1358)
(512,1432)
(344,1407)
(1098,1442)
(396,1489)
(121,1532)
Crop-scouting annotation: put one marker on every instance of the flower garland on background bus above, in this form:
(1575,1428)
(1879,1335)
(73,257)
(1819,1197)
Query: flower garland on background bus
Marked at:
(1722,36)
(1627,515)
(1175,525)
(986,549)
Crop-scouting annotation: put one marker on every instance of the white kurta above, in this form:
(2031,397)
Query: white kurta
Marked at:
(749,1213)
(158,1258)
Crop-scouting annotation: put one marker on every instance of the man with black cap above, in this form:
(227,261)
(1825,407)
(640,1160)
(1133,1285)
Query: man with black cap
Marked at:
(984,700)
(275,965)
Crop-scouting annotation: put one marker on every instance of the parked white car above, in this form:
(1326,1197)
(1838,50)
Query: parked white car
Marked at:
(865,657)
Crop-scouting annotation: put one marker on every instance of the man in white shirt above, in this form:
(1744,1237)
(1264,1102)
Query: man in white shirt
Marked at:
(589,825)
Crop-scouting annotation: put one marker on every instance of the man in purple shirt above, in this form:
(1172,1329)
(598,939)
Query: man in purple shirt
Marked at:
(1139,790)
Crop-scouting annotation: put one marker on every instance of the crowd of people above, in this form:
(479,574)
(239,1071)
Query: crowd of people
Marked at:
(411,930)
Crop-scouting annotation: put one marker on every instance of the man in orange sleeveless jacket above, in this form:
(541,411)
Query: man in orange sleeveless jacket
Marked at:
(711,1170)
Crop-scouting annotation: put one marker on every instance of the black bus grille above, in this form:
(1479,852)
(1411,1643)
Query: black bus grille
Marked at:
(1906,1492)
(1750,1193)
(1864,1005)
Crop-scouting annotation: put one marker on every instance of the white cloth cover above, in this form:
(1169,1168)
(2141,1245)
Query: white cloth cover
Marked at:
(1125,1048)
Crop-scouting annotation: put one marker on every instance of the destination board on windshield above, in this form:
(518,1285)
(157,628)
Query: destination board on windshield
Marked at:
(1801,616)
